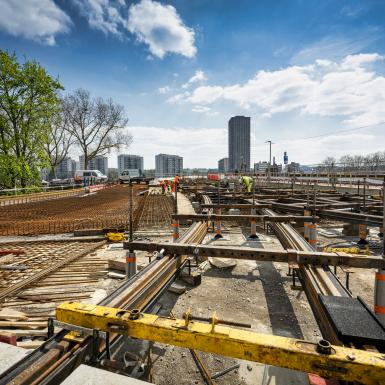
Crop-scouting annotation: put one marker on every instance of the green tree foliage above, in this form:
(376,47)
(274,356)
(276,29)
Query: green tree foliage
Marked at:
(28,101)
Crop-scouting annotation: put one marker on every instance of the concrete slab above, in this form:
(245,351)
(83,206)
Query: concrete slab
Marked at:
(87,375)
(9,355)
(184,205)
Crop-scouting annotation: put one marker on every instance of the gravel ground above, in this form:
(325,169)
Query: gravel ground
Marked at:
(258,293)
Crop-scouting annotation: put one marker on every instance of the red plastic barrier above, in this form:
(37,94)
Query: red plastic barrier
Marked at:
(213,176)
(97,187)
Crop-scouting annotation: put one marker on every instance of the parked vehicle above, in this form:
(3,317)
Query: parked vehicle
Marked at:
(133,176)
(94,176)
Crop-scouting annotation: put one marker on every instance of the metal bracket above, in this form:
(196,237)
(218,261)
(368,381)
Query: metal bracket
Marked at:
(79,329)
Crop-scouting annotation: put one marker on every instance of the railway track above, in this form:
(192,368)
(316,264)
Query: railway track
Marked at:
(319,283)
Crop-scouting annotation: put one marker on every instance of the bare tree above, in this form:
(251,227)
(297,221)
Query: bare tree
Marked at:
(98,125)
(328,163)
(58,142)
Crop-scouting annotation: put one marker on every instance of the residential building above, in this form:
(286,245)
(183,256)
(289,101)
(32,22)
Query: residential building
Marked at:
(98,163)
(239,143)
(113,174)
(168,165)
(65,169)
(261,167)
(293,167)
(130,162)
(223,165)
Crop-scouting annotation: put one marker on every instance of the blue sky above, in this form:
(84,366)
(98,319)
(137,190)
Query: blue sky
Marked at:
(183,68)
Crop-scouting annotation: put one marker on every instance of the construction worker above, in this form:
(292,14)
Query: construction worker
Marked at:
(163,186)
(247,183)
(168,187)
(176,181)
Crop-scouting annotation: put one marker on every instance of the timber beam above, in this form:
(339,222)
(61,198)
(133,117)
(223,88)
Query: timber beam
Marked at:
(315,258)
(245,218)
(320,358)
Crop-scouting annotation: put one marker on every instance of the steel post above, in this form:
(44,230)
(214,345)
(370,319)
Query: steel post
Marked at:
(379,288)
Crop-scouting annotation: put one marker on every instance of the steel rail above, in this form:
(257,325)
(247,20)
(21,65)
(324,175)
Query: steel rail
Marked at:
(315,280)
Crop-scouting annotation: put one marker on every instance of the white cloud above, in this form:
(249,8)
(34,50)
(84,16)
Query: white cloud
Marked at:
(178,98)
(161,28)
(349,89)
(198,77)
(39,20)
(104,15)
(201,109)
(201,146)
(164,90)
(335,47)
(354,61)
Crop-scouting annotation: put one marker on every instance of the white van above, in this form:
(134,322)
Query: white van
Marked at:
(95,175)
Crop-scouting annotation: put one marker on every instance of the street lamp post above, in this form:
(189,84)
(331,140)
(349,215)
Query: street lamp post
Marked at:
(269,168)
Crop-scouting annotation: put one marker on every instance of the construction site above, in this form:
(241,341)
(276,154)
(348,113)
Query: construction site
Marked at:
(207,284)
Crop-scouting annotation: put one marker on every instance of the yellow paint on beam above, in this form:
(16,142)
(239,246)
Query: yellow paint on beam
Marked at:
(342,363)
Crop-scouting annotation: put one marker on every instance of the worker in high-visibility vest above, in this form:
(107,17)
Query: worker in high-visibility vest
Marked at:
(247,183)
(163,186)
(175,183)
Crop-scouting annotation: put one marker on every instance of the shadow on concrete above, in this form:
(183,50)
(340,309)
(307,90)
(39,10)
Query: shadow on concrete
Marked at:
(228,273)
(282,317)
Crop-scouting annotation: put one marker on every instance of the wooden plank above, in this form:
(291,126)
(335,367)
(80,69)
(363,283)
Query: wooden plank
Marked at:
(117,264)
(11,314)
(33,344)
(18,333)
(23,324)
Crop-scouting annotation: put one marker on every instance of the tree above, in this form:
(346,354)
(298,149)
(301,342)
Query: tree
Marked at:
(58,141)
(98,125)
(28,98)
(328,164)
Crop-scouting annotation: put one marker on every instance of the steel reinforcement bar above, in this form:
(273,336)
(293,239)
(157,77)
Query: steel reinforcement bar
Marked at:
(60,355)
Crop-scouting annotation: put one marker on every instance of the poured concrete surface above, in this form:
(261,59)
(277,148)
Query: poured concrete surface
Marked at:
(87,375)
(184,205)
(9,355)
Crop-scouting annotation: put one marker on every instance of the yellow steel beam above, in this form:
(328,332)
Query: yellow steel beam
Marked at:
(340,363)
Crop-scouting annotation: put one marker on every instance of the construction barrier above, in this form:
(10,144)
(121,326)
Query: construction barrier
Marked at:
(96,187)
